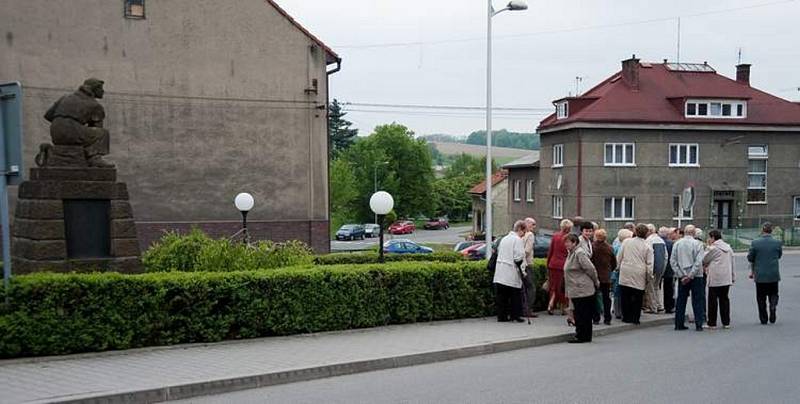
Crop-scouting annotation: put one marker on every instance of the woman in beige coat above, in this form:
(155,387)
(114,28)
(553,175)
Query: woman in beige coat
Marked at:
(635,260)
(581,284)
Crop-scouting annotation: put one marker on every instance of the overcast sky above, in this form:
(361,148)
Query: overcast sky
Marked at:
(538,53)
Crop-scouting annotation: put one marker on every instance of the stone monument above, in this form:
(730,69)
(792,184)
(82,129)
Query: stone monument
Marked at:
(72,214)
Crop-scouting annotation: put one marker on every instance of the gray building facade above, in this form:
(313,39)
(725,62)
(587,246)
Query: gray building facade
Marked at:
(204,100)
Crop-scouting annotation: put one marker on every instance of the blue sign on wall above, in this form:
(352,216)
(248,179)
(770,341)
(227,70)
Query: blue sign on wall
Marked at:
(11,131)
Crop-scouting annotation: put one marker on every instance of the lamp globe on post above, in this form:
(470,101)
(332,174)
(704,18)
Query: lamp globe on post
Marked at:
(244,202)
(381,203)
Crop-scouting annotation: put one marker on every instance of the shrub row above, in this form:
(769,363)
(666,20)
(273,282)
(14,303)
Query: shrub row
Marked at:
(372,257)
(51,314)
(200,253)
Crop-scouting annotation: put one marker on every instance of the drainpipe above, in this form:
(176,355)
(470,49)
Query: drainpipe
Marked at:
(580,175)
(328,136)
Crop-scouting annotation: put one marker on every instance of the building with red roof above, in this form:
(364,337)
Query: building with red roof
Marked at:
(627,149)
(500,219)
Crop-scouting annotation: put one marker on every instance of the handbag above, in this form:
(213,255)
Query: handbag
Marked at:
(546,285)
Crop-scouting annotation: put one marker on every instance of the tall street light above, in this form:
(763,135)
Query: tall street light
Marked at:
(244,202)
(381,203)
(512,6)
(375,178)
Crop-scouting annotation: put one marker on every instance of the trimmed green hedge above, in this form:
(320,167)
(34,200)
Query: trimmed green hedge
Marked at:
(51,314)
(372,258)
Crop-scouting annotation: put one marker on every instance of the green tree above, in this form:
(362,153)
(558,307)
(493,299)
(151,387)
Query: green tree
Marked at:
(504,138)
(402,166)
(344,193)
(341,135)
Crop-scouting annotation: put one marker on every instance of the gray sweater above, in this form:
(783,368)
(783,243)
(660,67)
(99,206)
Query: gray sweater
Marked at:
(687,258)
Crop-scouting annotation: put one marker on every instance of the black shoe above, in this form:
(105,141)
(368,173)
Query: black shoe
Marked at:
(607,322)
(681,328)
(577,341)
(596,322)
(698,329)
(773,316)
(503,320)
(517,320)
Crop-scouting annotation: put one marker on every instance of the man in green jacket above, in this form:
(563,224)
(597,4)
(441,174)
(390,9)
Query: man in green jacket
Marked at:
(765,253)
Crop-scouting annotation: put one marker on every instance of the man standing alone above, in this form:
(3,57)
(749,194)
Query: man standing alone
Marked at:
(687,266)
(765,253)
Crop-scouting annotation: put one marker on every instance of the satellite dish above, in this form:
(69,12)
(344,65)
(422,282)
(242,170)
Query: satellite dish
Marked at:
(559,182)
(687,198)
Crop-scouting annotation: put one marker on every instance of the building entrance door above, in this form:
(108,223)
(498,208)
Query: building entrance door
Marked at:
(722,214)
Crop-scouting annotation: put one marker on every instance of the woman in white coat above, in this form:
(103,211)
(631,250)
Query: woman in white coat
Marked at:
(508,274)
(718,262)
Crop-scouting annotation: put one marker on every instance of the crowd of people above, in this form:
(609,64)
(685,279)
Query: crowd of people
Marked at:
(590,279)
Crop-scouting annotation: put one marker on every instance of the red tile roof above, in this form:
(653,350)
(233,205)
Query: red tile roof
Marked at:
(332,56)
(497,178)
(661,96)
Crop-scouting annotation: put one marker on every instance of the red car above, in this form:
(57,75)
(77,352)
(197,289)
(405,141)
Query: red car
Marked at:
(405,227)
(437,224)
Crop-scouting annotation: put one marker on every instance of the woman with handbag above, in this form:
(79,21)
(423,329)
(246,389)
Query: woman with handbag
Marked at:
(581,283)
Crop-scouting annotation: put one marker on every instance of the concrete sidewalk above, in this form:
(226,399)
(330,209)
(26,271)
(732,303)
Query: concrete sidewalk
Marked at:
(166,373)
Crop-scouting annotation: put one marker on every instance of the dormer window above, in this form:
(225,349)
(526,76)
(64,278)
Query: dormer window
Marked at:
(716,109)
(562,110)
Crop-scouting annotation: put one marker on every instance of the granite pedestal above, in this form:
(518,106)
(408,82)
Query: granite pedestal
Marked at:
(74,219)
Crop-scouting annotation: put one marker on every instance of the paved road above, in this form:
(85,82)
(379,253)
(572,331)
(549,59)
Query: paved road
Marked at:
(450,236)
(749,363)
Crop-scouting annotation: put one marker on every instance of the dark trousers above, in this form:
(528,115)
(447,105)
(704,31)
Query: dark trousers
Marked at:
(508,301)
(605,291)
(697,289)
(718,296)
(584,309)
(669,294)
(632,300)
(530,289)
(766,291)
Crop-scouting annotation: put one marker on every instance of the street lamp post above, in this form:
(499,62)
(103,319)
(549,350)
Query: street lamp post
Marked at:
(381,203)
(375,178)
(512,6)
(244,202)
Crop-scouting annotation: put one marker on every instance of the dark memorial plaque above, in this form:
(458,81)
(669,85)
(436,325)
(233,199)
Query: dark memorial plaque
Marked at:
(87,227)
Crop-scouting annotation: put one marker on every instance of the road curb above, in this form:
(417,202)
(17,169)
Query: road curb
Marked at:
(227,385)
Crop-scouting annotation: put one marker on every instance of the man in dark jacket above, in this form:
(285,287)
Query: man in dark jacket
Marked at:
(764,256)
(669,283)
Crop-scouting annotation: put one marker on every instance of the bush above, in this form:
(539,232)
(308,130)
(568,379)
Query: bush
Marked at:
(196,252)
(372,258)
(67,313)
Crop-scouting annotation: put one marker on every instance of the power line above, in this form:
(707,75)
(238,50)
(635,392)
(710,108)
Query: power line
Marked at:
(444,107)
(563,30)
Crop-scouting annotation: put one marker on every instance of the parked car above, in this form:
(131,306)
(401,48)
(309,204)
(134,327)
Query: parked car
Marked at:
(472,252)
(464,244)
(403,227)
(350,232)
(542,245)
(437,224)
(403,246)
(371,230)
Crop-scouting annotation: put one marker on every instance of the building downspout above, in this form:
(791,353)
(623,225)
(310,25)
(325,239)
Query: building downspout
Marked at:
(328,143)
(580,175)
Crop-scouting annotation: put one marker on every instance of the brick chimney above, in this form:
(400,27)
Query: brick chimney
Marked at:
(630,72)
(743,74)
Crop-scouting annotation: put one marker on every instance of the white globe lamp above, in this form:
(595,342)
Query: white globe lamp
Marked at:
(381,203)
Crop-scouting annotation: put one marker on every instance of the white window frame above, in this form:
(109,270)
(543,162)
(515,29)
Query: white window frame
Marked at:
(734,104)
(529,191)
(558,155)
(624,163)
(626,216)
(681,213)
(558,207)
(796,207)
(517,193)
(688,147)
(758,156)
(562,110)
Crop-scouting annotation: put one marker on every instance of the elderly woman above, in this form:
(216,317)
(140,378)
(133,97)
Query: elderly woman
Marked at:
(622,235)
(508,274)
(582,283)
(635,260)
(719,265)
(556,257)
(604,262)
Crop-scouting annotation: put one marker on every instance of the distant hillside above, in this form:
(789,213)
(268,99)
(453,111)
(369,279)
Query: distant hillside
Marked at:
(448,148)
(500,138)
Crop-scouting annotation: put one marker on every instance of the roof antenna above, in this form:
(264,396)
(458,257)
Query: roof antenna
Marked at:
(740,55)
(578,80)
(678,59)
